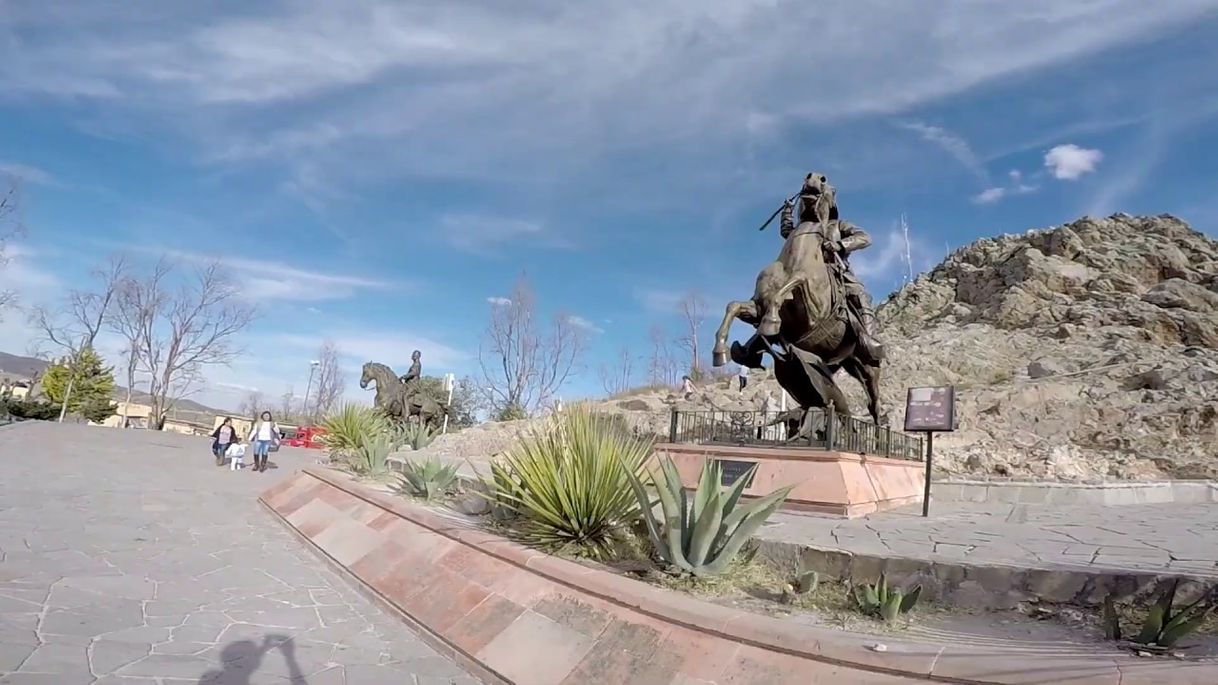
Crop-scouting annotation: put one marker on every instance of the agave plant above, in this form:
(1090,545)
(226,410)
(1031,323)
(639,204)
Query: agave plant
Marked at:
(427,478)
(1162,629)
(416,436)
(372,457)
(702,537)
(885,602)
(567,483)
(346,429)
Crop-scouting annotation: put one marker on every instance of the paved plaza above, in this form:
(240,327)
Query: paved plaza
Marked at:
(129,558)
(1143,538)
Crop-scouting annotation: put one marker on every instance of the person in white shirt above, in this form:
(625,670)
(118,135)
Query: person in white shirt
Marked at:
(744,376)
(264,434)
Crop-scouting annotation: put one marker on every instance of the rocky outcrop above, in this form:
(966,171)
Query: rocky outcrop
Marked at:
(1087,351)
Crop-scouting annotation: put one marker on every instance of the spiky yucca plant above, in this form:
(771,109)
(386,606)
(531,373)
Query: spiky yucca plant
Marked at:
(372,457)
(1162,629)
(882,601)
(568,483)
(702,537)
(415,436)
(347,428)
(427,478)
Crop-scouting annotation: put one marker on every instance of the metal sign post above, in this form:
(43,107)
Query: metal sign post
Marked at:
(449,382)
(930,411)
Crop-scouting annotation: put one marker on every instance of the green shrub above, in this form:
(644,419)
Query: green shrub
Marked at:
(38,410)
(427,478)
(347,428)
(702,537)
(569,483)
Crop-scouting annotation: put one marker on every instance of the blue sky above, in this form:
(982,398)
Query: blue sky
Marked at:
(375,171)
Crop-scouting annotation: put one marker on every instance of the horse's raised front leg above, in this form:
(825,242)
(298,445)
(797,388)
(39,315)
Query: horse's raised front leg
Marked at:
(734,310)
(771,320)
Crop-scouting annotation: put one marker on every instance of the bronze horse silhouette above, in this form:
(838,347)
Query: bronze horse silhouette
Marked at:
(799,312)
(393,399)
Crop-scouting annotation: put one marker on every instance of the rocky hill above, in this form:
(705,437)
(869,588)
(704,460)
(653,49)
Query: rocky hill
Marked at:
(1087,351)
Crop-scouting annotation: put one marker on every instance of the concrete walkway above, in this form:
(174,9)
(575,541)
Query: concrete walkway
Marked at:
(1145,538)
(129,558)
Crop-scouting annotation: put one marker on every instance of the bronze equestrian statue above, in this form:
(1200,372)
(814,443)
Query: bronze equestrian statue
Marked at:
(400,397)
(811,314)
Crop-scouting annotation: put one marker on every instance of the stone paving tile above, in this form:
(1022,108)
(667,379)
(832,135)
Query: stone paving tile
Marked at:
(129,558)
(1141,537)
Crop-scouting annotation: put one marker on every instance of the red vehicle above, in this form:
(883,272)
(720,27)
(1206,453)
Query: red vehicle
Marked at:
(308,437)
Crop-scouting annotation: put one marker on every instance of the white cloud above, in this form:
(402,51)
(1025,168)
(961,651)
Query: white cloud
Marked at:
(658,300)
(387,347)
(377,86)
(499,301)
(1017,186)
(953,144)
(1069,162)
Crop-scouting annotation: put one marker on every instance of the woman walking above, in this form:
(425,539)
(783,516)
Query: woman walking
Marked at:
(224,436)
(264,434)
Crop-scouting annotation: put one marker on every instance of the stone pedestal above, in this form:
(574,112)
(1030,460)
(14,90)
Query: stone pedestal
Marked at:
(835,483)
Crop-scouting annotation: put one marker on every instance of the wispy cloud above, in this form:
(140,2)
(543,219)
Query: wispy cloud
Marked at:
(25,172)
(659,300)
(385,346)
(498,301)
(488,234)
(270,280)
(1069,162)
(584,324)
(883,265)
(378,86)
(953,144)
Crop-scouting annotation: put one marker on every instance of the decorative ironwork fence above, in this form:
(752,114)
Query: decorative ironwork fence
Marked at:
(830,431)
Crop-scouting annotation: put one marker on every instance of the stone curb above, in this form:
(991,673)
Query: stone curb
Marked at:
(1101,494)
(993,585)
(951,663)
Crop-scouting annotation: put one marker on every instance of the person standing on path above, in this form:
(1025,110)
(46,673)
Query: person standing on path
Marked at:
(262,436)
(744,376)
(224,436)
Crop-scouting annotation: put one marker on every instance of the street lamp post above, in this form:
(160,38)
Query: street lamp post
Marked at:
(309,388)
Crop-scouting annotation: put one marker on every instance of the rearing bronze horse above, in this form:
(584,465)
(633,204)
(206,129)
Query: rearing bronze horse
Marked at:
(799,311)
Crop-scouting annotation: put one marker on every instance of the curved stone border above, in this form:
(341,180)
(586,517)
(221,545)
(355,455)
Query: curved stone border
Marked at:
(525,617)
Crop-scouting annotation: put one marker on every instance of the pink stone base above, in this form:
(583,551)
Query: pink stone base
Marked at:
(835,483)
(510,614)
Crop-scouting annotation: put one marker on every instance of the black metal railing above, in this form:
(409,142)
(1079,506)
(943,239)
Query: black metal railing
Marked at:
(828,430)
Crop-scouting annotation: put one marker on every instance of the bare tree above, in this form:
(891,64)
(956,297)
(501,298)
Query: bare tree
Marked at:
(661,368)
(177,331)
(73,328)
(330,381)
(288,406)
(693,311)
(10,227)
(253,403)
(523,365)
(618,377)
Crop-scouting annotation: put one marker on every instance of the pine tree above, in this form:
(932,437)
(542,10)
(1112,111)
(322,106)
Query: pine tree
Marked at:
(92,384)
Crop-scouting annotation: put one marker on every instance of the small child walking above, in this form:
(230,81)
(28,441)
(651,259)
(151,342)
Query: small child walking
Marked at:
(236,456)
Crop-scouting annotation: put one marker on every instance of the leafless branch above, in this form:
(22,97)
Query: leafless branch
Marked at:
(523,366)
(330,381)
(693,311)
(618,377)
